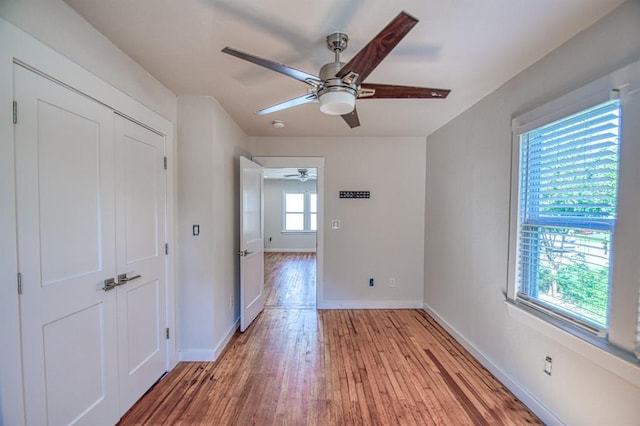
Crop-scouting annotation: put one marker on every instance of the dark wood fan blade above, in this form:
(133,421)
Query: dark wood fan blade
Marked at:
(302,76)
(390,91)
(377,49)
(300,100)
(352,118)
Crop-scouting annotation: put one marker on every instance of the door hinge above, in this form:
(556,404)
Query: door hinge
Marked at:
(166,248)
(167,333)
(15,112)
(19,283)
(165,163)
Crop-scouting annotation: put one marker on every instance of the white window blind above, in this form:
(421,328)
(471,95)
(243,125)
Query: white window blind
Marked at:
(294,211)
(300,211)
(567,211)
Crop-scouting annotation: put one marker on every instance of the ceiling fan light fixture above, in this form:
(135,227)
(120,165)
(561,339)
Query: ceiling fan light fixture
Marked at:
(337,103)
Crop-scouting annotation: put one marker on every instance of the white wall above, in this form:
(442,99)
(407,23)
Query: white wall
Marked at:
(208,156)
(381,237)
(56,25)
(274,239)
(466,236)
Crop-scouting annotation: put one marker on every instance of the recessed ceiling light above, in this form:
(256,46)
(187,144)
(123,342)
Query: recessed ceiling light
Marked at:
(278,124)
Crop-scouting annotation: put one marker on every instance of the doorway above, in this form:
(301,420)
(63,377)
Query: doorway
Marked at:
(293,231)
(290,236)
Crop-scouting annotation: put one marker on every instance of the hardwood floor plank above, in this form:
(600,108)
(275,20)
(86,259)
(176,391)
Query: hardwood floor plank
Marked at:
(299,366)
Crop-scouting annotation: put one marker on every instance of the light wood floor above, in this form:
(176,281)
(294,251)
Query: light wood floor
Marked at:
(299,366)
(290,280)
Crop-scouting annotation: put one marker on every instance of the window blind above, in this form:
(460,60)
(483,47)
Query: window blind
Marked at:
(569,170)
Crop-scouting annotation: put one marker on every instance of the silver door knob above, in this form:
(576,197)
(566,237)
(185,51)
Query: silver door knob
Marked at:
(109,284)
(123,278)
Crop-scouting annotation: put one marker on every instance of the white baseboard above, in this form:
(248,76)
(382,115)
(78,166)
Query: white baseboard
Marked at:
(227,338)
(207,354)
(521,393)
(290,250)
(369,304)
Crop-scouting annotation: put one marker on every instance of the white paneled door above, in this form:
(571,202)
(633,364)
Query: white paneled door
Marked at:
(251,242)
(140,227)
(66,248)
(90,189)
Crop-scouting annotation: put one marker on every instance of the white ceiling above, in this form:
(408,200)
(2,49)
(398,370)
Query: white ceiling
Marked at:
(468,46)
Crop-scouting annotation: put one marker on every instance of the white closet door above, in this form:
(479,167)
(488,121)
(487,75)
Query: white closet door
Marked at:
(140,218)
(66,248)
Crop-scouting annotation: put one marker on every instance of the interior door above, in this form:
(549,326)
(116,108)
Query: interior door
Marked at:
(251,242)
(66,249)
(140,259)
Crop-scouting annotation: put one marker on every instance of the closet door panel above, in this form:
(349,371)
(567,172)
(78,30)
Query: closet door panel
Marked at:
(68,175)
(140,200)
(66,249)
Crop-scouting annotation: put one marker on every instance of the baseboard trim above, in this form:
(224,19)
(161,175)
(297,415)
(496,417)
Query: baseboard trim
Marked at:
(290,250)
(227,338)
(355,304)
(548,417)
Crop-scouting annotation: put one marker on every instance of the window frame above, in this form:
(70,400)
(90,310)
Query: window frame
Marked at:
(622,337)
(306,212)
(532,219)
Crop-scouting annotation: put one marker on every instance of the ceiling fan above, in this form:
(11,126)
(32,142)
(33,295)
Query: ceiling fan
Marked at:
(339,84)
(302,175)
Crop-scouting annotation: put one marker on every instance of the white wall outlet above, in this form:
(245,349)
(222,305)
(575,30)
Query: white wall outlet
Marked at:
(335,224)
(547,365)
(392,282)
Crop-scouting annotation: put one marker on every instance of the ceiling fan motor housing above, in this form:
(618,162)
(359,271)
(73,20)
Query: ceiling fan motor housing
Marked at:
(336,97)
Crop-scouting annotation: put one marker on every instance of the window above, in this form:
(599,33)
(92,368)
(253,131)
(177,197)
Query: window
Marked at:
(568,176)
(300,212)
(574,232)
(313,212)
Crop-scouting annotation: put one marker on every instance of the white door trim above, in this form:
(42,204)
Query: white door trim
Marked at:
(308,162)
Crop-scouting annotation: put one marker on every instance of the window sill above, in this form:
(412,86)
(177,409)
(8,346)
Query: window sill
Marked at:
(597,350)
(298,232)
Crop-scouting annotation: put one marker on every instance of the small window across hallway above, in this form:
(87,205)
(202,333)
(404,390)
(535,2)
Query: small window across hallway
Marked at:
(292,259)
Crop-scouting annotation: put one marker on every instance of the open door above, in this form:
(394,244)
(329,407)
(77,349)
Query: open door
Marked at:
(251,242)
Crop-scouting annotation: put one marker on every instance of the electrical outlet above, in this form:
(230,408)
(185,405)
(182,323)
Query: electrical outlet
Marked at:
(547,365)
(392,282)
